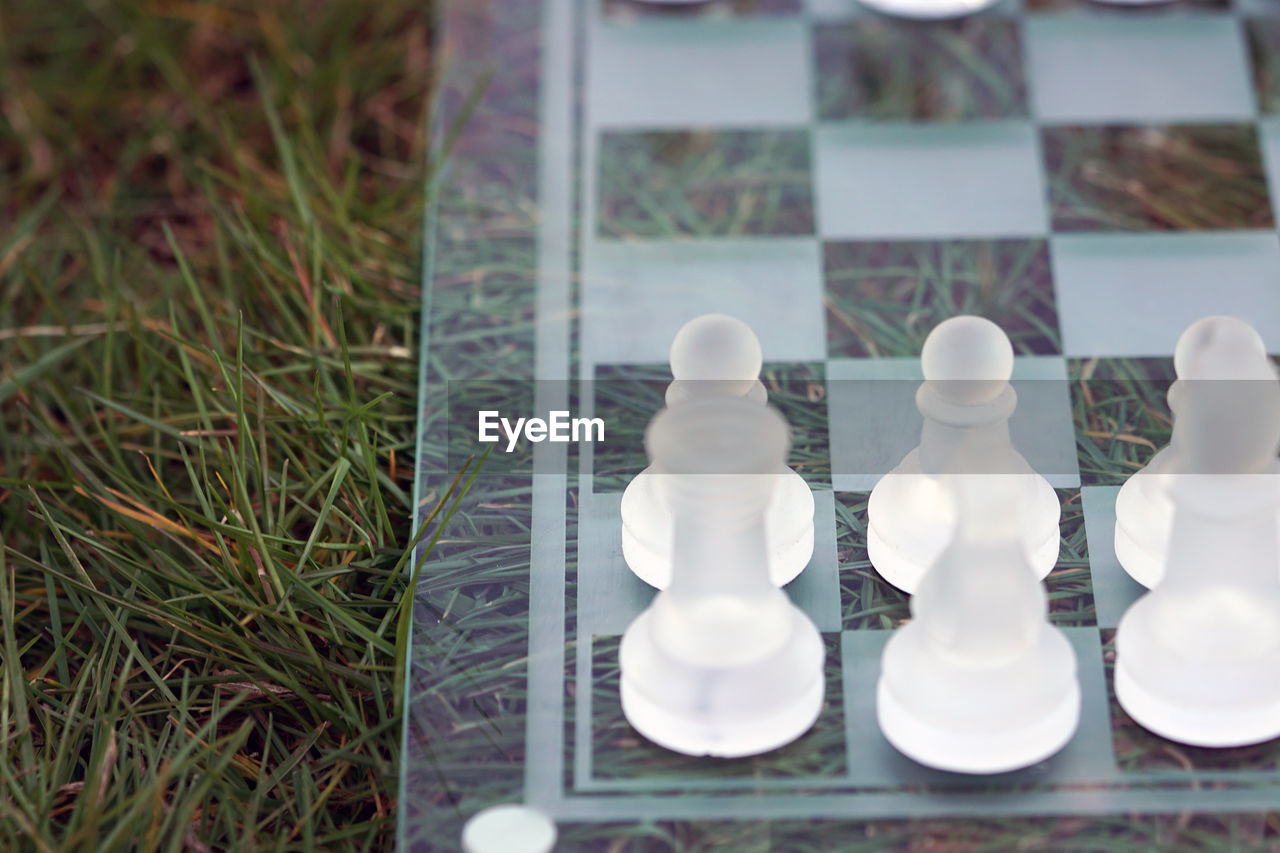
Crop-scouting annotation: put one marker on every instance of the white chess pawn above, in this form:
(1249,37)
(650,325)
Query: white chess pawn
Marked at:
(509,828)
(966,401)
(716,355)
(979,681)
(721,663)
(1198,657)
(1144,509)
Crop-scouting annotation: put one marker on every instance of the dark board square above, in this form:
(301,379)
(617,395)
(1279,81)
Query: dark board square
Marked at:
(705,183)
(1121,415)
(883,298)
(883,68)
(1138,750)
(799,391)
(620,752)
(870,602)
(628,10)
(1264,52)
(627,396)
(1156,178)
(867,601)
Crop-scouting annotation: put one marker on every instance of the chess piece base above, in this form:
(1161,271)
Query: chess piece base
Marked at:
(1217,727)
(983,735)
(725,712)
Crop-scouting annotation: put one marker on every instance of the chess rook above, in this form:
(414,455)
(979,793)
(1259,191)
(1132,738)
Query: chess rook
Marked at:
(966,401)
(721,663)
(716,355)
(979,681)
(1144,509)
(1198,657)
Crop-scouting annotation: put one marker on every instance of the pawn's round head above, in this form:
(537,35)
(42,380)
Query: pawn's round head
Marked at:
(968,359)
(1215,334)
(717,347)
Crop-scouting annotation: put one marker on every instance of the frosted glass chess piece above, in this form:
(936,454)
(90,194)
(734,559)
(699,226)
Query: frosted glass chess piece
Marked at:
(721,663)
(929,9)
(1144,510)
(716,355)
(966,401)
(979,681)
(1198,657)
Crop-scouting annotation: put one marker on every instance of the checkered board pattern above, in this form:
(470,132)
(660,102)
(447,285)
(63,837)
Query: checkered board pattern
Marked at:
(1092,178)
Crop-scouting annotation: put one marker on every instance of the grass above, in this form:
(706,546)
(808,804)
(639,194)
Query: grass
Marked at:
(1170,178)
(885,68)
(705,183)
(470,647)
(883,298)
(627,396)
(209,262)
(1121,415)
